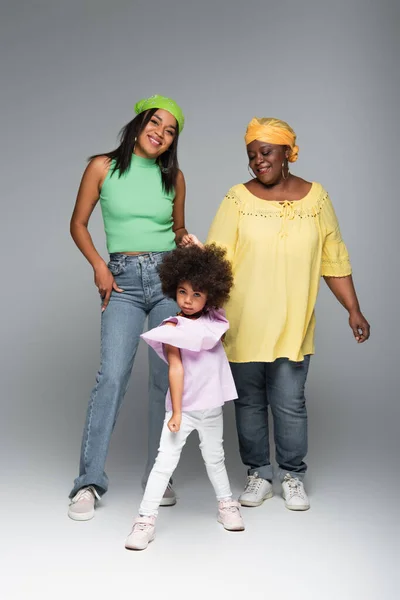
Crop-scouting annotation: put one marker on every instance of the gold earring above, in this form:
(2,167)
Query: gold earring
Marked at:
(283,171)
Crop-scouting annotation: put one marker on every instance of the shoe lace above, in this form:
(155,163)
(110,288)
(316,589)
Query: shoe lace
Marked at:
(253,483)
(84,494)
(295,487)
(229,507)
(141,526)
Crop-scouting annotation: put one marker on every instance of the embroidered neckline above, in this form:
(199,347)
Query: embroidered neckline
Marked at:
(309,206)
(311,192)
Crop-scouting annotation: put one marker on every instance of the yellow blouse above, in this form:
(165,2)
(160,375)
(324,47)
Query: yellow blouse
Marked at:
(278,252)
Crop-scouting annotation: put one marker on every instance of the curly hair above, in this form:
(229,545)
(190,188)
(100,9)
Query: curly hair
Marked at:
(206,269)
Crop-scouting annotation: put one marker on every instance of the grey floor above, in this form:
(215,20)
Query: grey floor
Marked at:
(345,547)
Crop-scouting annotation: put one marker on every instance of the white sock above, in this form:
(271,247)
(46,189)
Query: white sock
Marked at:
(227,499)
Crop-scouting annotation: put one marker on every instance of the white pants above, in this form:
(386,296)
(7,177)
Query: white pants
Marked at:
(209,424)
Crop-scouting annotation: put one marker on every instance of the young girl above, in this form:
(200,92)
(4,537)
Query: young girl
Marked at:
(200,380)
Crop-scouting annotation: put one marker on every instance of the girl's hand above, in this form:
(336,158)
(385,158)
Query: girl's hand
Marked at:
(174,424)
(190,240)
(105,283)
(360,326)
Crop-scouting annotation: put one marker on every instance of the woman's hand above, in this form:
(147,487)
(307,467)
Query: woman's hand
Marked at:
(343,288)
(105,282)
(190,240)
(359,326)
(174,424)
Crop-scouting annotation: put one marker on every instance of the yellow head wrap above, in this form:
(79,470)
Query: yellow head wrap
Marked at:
(273,131)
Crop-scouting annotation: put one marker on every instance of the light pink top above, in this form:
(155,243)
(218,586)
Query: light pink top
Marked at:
(208,381)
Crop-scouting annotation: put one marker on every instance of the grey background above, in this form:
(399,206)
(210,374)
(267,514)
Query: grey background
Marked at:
(71,73)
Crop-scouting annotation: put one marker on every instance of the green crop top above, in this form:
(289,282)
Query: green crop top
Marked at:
(137,212)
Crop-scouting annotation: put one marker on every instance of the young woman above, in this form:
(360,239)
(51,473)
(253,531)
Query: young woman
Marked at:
(142,195)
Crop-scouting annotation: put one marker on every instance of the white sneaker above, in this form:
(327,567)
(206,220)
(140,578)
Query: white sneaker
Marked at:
(169,497)
(256,491)
(229,515)
(143,532)
(294,494)
(83,504)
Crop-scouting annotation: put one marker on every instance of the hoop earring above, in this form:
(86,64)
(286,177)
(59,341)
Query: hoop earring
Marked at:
(283,171)
(251,172)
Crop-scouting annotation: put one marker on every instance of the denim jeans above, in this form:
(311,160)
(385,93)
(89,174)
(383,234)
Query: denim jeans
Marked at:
(121,325)
(279,384)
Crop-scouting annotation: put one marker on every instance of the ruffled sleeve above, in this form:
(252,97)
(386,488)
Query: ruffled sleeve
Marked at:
(224,228)
(202,334)
(215,324)
(335,257)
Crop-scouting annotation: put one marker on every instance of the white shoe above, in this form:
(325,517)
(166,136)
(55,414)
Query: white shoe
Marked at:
(256,491)
(83,504)
(143,532)
(169,497)
(294,494)
(229,515)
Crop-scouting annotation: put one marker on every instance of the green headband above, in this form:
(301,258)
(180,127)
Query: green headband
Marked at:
(168,104)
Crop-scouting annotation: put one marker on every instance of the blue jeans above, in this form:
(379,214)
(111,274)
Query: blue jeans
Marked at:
(279,384)
(121,325)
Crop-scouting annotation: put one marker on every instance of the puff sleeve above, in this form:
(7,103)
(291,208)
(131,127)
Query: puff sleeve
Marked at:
(198,335)
(335,257)
(224,228)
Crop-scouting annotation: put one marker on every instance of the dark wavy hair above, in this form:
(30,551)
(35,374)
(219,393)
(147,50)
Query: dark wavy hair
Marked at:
(168,161)
(206,269)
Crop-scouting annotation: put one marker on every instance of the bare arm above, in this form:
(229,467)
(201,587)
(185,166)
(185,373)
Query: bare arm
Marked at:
(178,213)
(343,289)
(88,196)
(175,377)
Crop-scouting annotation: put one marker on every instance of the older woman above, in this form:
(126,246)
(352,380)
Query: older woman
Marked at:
(281,234)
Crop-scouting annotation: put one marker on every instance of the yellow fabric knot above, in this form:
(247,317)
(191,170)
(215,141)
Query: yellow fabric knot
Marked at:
(288,214)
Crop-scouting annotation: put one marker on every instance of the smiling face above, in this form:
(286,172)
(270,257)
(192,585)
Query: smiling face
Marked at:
(266,160)
(190,301)
(157,136)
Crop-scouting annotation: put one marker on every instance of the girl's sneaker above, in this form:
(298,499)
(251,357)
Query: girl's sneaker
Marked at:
(229,515)
(143,532)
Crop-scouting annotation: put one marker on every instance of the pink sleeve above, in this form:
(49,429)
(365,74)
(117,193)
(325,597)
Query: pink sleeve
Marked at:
(175,336)
(203,334)
(215,325)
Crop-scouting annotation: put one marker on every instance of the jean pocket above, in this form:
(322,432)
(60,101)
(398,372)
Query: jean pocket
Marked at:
(301,364)
(298,364)
(117,267)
